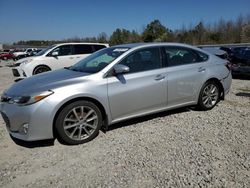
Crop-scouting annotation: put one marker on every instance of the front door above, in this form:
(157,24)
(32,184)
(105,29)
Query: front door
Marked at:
(140,91)
(65,57)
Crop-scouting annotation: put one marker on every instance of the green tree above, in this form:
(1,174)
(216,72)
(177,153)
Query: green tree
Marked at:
(154,31)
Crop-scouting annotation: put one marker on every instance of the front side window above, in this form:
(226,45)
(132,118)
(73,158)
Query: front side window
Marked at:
(44,51)
(63,50)
(143,60)
(83,49)
(175,56)
(98,60)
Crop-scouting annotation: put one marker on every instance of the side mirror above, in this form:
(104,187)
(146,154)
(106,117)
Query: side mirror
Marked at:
(121,69)
(54,54)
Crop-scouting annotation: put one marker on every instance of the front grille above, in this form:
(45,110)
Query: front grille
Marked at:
(15,72)
(6,120)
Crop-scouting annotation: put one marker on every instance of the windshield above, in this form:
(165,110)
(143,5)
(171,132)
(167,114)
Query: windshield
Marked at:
(98,60)
(45,50)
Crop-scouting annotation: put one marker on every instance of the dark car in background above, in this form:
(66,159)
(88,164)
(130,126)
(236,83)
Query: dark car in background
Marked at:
(241,67)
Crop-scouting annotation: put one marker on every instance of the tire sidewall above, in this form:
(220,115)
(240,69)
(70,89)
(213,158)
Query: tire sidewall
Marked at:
(60,118)
(40,66)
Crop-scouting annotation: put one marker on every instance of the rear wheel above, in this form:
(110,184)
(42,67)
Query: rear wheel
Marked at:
(41,69)
(78,122)
(209,95)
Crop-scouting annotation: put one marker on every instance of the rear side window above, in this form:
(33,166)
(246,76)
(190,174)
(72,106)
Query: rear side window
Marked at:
(175,56)
(82,49)
(203,57)
(98,47)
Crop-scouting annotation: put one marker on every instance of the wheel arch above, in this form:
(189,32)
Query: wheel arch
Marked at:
(96,102)
(221,88)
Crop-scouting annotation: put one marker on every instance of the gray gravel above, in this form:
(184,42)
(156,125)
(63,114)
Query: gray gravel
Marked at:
(180,148)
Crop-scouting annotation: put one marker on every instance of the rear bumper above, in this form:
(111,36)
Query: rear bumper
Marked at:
(241,71)
(226,83)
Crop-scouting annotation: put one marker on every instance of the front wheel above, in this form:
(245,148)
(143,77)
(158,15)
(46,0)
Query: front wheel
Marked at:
(41,69)
(78,122)
(209,95)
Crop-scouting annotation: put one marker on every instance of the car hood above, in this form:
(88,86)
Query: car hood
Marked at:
(20,61)
(45,81)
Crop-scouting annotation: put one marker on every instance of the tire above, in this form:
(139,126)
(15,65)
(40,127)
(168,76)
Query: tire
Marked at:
(209,95)
(41,69)
(78,122)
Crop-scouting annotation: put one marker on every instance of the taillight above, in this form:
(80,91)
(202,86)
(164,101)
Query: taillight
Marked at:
(229,66)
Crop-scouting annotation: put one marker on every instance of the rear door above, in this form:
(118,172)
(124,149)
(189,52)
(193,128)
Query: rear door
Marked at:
(143,89)
(186,73)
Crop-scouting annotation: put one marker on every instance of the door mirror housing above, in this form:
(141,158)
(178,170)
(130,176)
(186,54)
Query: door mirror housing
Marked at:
(54,54)
(120,69)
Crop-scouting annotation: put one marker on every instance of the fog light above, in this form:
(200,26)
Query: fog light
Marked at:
(25,128)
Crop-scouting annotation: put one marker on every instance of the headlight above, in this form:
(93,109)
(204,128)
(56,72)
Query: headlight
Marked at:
(26,61)
(27,100)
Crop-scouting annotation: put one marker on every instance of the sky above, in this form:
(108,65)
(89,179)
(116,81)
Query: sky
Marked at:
(62,19)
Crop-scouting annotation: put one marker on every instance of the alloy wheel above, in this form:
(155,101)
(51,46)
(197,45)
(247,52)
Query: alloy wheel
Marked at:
(80,123)
(210,95)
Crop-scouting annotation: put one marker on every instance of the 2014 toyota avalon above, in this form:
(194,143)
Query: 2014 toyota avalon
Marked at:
(112,85)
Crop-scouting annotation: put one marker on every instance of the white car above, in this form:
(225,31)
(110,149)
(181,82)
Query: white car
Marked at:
(55,57)
(25,53)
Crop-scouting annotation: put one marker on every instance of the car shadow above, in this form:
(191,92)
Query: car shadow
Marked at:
(33,144)
(243,94)
(50,142)
(147,118)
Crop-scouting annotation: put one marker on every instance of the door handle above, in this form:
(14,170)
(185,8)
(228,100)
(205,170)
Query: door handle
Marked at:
(71,58)
(201,69)
(159,77)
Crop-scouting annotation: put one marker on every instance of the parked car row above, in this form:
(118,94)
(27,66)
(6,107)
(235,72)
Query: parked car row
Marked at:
(16,55)
(6,55)
(111,85)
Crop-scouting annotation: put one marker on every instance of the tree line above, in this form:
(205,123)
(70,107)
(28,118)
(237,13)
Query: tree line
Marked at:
(220,32)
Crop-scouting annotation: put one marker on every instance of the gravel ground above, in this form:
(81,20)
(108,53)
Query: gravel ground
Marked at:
(180,148)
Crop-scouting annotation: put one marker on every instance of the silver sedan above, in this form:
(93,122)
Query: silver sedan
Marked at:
(112,85)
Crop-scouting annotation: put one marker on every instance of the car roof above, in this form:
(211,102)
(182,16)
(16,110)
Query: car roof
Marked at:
(68,43)
(135,45)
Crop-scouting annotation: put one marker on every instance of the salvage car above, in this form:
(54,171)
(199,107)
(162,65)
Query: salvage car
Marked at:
(54,57)
(112,85)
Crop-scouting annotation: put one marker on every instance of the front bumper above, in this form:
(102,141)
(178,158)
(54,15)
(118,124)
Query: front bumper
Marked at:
(37,116)
(18,72)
